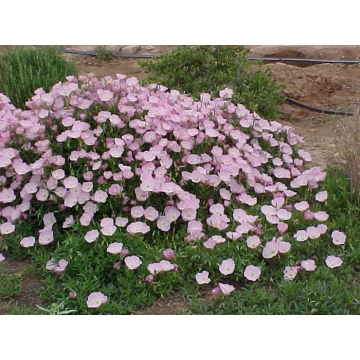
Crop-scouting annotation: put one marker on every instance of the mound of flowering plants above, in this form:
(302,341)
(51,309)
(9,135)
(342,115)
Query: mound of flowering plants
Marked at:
(124,193)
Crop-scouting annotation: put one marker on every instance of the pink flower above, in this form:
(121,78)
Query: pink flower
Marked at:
(333,261)
(338,237)
(218,239)
(7,228)
(270,250)
(227,267)
(70,182)
(46,236)
(100,196)
(27,241)
(132,262)
(301,235)
(290,272)
(253,241)
(163,223)
(321,216)
(313,232)
(302,206)
(154,268)
(106,222)
(108,230)
(2,257)
(226,289)
(121,221)
(321,196)
(50,265)
(87,186)
(137,212)
(151,213)
(165,265)
(308,265)
(282,227)
(86,218)
(322,228)
(49,220)
(138,227)
(283,214)
(7,196)
(210,243)
(202,278)
(96,299)
(114,248)
(284,247)
(308,215)
(105,95)
(58,174)
(91,236)
(217,209)
(62,264)
(252,272)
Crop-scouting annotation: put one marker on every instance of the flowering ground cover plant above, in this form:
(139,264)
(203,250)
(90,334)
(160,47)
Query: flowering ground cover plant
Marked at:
(125,192)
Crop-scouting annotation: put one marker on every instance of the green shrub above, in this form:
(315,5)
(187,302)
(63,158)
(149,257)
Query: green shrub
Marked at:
(24,69)
(199,69)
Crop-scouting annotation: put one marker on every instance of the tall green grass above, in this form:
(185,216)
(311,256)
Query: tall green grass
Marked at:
(24,69)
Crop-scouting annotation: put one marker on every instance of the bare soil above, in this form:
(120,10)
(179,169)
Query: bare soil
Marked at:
(327,86)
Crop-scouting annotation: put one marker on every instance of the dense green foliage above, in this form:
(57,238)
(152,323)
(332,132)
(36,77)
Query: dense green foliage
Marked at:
(209,69)
(24,69)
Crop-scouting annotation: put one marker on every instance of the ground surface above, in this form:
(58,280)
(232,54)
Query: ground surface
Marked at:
(326,86)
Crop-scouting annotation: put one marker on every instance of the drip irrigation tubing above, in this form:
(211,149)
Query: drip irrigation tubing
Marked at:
(150,56)
(275,59)
(314,108)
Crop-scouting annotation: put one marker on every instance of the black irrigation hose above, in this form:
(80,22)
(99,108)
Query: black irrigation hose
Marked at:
(307,60)
(333,112)
(146,56)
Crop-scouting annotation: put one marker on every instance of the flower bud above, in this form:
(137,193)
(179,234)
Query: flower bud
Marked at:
(215,291)
(168,254)
(308,215)
(124,252)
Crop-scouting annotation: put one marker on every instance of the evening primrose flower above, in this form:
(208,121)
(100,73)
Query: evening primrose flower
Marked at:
(28,241)
(226,289)
(308,265)
(227,267)
(338,237)
(91,236)
(252,272)
(115,248)
(270,249)
(202,278)
(290,272)
(321,196)
(333,261)
(96,299)
(132,262)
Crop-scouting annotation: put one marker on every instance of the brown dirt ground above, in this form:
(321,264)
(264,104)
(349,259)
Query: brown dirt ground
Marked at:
(327,86)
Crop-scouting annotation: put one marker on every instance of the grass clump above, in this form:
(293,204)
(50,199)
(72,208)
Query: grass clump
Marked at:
(349,148)
(24,69)
(194,70)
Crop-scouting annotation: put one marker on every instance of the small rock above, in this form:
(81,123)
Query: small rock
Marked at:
(148,48)
(131,49)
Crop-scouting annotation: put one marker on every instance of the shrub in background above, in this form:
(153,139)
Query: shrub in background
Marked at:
(197,69)
(24,69)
